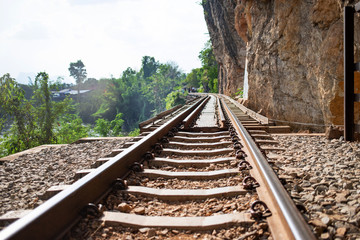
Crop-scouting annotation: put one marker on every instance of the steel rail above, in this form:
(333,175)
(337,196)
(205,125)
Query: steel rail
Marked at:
(54,217)
(160,115)
(288,211)
(221,116)
(189,119)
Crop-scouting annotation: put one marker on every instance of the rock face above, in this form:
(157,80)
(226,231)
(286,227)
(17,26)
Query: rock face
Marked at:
(294,55)
(229,48)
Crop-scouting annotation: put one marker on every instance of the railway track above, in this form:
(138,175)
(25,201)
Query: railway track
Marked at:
(194,172)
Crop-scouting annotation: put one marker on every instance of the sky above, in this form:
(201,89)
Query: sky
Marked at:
(107,35)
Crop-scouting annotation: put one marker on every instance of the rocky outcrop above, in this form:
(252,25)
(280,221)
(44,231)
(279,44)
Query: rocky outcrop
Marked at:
(294,55)
(229,48)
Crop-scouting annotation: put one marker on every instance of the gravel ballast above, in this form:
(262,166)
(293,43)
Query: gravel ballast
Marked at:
(25,179)
(323,176)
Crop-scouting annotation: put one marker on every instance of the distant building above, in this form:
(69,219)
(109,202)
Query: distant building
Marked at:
(59,95)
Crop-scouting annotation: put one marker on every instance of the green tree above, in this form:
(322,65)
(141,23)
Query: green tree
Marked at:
(193,79)
(12,103)
(125,95)
(205,78)
(149,66)
(174,98)
(43,105)
(102,127)
(77,70)
(106,128)
(134,133)
(70,128)
(139,95)
(32,121)
(92,100)
(209,68)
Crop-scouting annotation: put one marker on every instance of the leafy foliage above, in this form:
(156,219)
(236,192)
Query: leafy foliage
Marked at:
(78,71)
(134,133)
(43,105)
(174,98)
(92,100)
(238,93)
(139,95)
(106,128)
(11,99)
(115,105)
(205,77)
(149,66)
(70,128)
(32,120)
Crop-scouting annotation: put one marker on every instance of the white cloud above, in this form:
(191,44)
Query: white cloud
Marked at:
(108,36)
(32,31)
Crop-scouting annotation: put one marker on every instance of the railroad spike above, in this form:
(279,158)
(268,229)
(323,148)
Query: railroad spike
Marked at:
(250,183)
(235,138)
(170,134)
(240,154)
(259,210)
(149,156)
(157,149)
(91,210)
(120,184)
(137,167)
(237,145)
(244,165)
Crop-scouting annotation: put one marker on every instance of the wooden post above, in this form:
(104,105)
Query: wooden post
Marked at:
(349,73)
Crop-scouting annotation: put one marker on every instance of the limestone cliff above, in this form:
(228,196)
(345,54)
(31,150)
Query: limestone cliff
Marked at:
(294,55)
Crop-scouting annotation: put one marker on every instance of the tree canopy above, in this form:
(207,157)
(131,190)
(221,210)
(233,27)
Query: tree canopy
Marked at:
(205,77)
(77,70)
(139,95)
(113,106)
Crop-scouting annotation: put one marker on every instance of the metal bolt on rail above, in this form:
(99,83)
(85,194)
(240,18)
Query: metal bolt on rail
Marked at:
(91,210)
(244,165)
(120,184)
(149,156)
(259,210)
(137,167)
(237,146)
(164,140)
(157,149)
(240,154)
(235,139)
(250,183)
